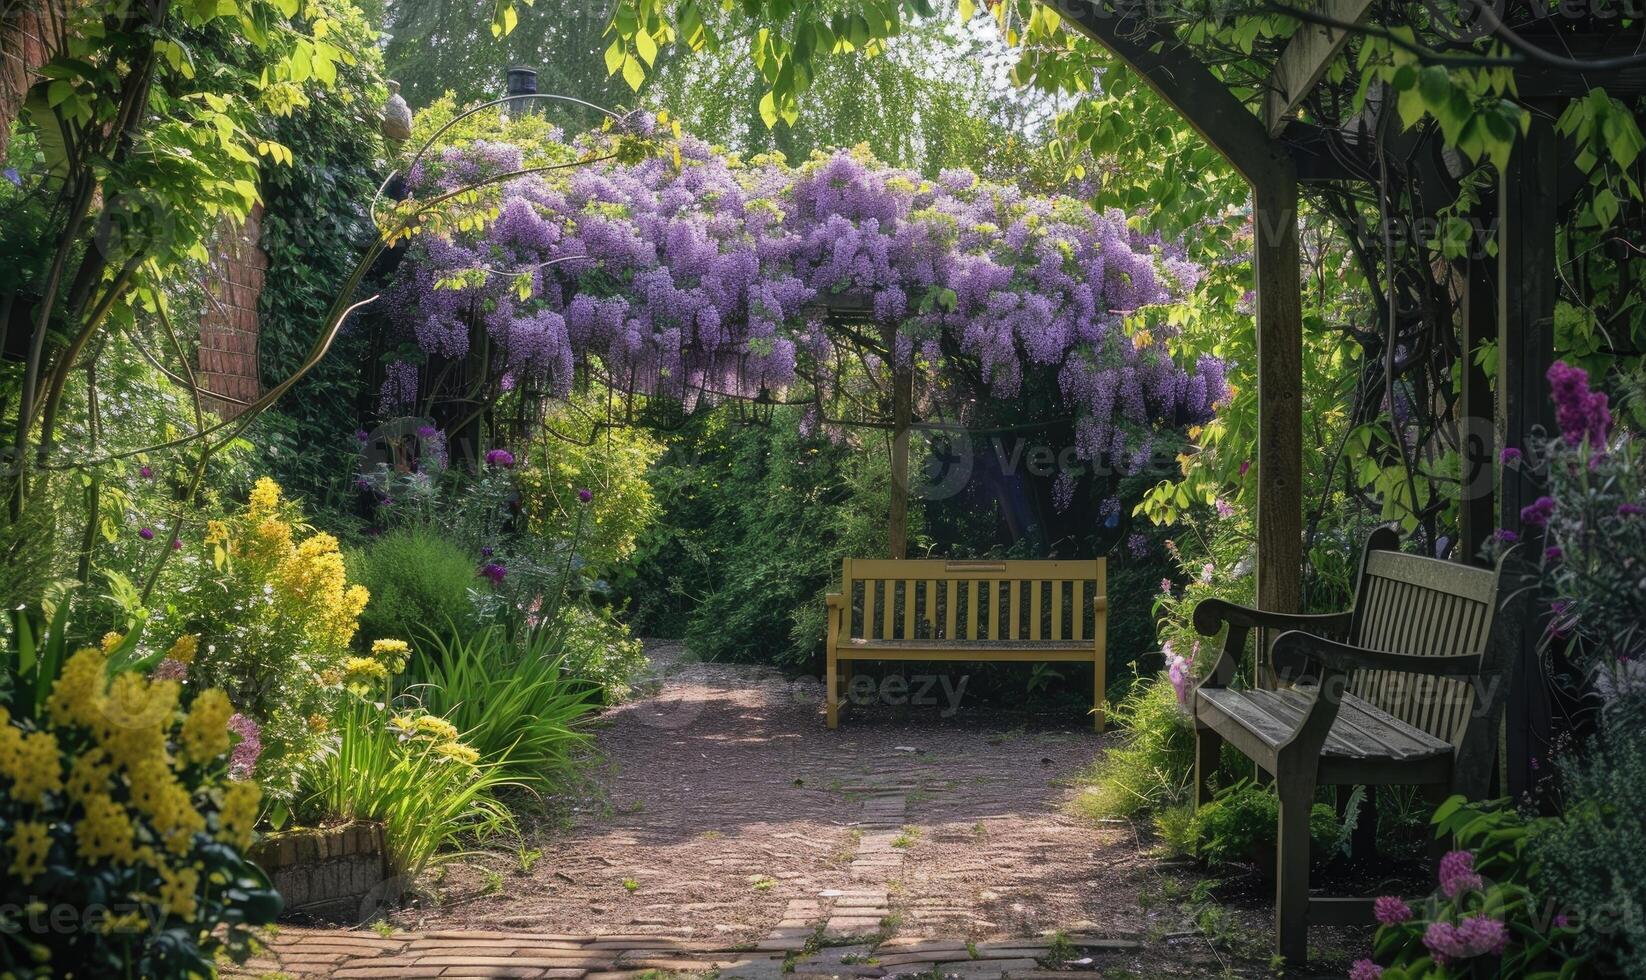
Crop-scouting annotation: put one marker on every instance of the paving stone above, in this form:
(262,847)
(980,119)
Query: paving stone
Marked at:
(753,969)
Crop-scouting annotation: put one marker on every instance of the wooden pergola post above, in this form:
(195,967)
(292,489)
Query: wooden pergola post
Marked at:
(1527,216)
(902,417)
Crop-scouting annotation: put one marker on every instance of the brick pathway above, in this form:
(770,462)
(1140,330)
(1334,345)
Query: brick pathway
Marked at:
(739,837)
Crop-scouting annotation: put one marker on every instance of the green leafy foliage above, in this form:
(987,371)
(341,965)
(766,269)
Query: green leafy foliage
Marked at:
(1153,766)
(515,703)
(1593,857)
(418,579)
(1239,825)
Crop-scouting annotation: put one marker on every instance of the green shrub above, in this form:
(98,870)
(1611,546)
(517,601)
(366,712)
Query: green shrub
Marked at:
(413,773)
(417,581)
(514,702)
(1239,825)
(1594,856)
(1154,766)
(598,649)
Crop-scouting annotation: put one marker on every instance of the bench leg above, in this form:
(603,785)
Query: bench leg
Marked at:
(1296,793)
(1208,755)
(831,687)
(1100,691)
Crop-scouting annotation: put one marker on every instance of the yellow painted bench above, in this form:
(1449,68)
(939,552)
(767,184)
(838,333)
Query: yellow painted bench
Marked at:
(968,611)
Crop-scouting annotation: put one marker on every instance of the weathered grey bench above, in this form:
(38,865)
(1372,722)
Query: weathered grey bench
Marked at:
(1404,689)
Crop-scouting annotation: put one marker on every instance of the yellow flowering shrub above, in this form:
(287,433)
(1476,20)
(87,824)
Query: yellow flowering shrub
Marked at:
(114,804)
(270,622)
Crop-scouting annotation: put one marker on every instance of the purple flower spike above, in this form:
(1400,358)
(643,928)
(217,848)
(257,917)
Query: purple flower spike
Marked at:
(585,495)
(493,572)
(1365,970)
(486,552)
(500,458)
(146,533)
(362,435)
(1537,512)
(1510,455)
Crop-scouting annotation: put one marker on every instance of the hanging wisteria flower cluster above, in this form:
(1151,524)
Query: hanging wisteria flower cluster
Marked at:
(691,275)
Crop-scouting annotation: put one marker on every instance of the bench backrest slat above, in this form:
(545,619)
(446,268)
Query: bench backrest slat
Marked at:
(1424,607)
(978,601)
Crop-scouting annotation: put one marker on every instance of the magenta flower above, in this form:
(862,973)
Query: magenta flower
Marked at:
(1630,510)
(1537,512)
(1457,874)
(1553,553)
(500,458)
(427,432)
(362,435)
(1365,970)
(1224,508)
(1180,671)
(1580,413)
(145,472)
(1482,934)
(243,758)
(493,572)
(1245,466)
(176,544)
(1391,911)
(146,533)
(1165,586)
(1510,455)
(585,495)
(1505,536)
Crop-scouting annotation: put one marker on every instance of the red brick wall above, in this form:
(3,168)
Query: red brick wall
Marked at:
(29,33)
(228,328)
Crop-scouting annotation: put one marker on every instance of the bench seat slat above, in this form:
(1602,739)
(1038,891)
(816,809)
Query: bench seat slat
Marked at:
(1360,730)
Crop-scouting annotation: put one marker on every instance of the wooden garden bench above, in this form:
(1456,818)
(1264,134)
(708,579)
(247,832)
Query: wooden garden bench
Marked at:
(1405,689)
(935,610)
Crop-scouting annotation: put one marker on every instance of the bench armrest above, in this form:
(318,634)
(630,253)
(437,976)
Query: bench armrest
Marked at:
(1211,615)
(832,600)
(1295,650)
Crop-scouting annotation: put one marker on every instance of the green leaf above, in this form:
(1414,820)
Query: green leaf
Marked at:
(645,47)
(614,57)
(634,74)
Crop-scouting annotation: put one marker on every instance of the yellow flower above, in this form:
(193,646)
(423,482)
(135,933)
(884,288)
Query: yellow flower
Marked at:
(319,723)
(217,532)
(151,785)
(265,496)
(393,653)
(177,891)
(458,751)
(105,831)
(176,820)
(77,694)
(88,775)
(36,768)
(184,649)
(29,844)
(133,921)
(427,726)
(205,734)
(112,640)
(135,718)
(364,668)
(238,815)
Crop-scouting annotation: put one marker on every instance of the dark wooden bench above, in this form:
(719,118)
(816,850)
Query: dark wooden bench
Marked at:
(1404,689)
(930,609)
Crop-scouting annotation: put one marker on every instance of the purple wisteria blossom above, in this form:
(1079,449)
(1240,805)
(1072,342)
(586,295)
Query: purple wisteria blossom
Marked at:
(702,277)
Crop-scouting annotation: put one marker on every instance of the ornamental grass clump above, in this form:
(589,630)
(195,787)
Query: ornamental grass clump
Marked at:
(122,835)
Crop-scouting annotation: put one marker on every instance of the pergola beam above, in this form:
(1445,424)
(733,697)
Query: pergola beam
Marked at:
(1305,58)
(1168,67)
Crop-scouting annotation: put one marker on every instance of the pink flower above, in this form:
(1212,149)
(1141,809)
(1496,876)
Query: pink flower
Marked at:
(1391,911)
(1245,467)
(499,457)
(1365,970)
(1180,671)
(1553,553)
(1224,508)
(171,670)
(1206,571)
(145,472)
(1165,586)
(243,757)
(1457,874)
